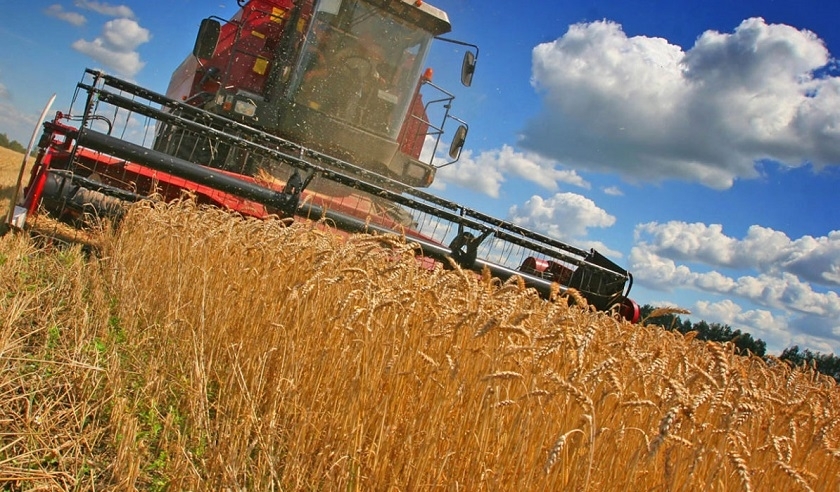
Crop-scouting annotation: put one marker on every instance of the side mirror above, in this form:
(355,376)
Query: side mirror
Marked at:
(208,36)
(468,68)
(458,142)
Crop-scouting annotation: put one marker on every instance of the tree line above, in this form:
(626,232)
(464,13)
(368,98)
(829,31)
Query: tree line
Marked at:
(11,144)
(828,364)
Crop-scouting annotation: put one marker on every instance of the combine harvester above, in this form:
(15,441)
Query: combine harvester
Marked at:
(303,110)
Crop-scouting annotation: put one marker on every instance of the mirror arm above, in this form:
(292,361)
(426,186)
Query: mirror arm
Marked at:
(469,62)
(462,43)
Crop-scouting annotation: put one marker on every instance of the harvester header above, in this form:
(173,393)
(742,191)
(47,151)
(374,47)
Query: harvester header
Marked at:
(307,110)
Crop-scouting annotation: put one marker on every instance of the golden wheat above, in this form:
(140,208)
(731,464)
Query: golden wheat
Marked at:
(200,351)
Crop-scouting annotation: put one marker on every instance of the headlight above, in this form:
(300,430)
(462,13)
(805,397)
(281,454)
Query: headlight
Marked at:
(245,108)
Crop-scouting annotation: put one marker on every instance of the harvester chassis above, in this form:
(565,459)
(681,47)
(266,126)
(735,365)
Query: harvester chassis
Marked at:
(63,178)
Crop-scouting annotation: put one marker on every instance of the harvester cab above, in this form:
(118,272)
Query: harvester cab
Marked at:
(341,77)
(304,110)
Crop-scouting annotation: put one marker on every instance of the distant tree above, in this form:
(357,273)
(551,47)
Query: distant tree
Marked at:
(828,364)
(17,147)
(714,332)
(745,341)
(11,144)
(792,355)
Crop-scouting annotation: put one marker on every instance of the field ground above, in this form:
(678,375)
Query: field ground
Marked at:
(198,351)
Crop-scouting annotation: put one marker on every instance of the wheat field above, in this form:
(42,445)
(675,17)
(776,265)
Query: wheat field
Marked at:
(200,351)
(10,163)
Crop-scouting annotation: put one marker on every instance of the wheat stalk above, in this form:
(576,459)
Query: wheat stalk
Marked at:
(486,327)
(554,452)
(502,375)
(792,473)
(664,429)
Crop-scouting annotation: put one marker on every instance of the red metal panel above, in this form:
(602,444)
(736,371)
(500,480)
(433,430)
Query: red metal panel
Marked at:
(413,133)
(248,47)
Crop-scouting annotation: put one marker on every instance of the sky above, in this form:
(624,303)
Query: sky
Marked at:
(695,143)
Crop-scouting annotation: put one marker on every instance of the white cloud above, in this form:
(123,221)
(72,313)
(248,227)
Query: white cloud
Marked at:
(124,34)
(647,109)
(613,191)
(776,329)
(658,272)
(121,11)
(766,250)
(475,174)
(563,216)
(115,48)
(58,12)
(810,315)
(759,323)
(537,169)
(781,290)
(4,92)
(486,172)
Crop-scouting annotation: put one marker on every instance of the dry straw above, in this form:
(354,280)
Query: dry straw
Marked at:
(201,351)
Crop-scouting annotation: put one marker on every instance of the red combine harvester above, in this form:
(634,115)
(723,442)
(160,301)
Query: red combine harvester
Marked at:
(300,109)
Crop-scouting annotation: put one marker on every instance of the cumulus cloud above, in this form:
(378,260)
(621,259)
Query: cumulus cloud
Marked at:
(784,268)
(645,108)
(486,172)
(815,259)
(120,11)
(778,330)
(115,47)
(760,323)
(563,216)
(786,290)
(58,12)
(781,276)
(473,173)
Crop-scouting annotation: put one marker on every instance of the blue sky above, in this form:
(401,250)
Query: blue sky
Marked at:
(696,143)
